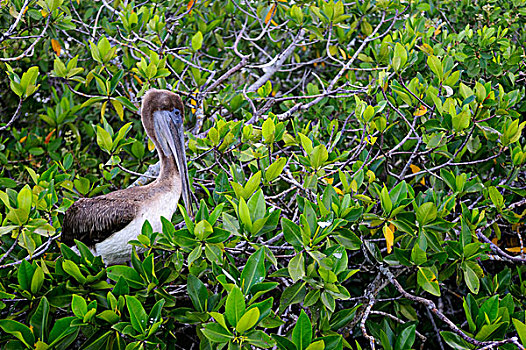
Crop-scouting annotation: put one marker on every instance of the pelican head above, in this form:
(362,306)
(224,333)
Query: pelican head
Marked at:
(162,117)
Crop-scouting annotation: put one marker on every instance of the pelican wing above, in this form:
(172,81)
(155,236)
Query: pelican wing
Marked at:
(93,220)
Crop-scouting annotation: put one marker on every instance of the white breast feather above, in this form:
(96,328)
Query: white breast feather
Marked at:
(115,249)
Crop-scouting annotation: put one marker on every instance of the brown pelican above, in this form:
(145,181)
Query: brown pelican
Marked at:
(106,223)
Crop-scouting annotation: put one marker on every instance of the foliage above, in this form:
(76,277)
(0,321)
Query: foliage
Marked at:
(358,170)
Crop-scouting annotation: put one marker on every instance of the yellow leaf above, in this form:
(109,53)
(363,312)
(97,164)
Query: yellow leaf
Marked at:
(103,111)
(420,111)
(437,30)
(270,13)
(189,6)
(151,146)
(389,238)
(118,108)
(495,240)
(338,191)
(48,137)
(370,176)
(516,250)
(328,180)
(56,46)
(137,78)
(44,13)
(416,169)
(392,227)
(426,48)
(344,55)
(194,102)
(23,139)
(354,186)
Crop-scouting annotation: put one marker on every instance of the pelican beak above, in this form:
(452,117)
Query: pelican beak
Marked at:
(172,132)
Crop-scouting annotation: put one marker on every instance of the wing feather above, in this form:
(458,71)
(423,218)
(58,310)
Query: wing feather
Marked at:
(92,220)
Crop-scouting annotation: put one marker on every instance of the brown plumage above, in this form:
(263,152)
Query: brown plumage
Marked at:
(106,223)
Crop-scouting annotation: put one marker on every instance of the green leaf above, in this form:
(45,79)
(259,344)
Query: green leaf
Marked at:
(283,343)
(197,41)
(25,275)
(109,316)
(317,345)
(328,300)
(25,199)
(104,139)
(292,233)
(28,81)
(275,169)
(254,270)
(129,274)
(461,120)
(327,275)
(259,339)
(436,66)
(79,306)
(296,267)
(426,213)
(302,331)
(418,256)
(385,201)
(19,330)
(202,230)
(400,57)
(292,295)
(471,278)
(368,113)
(480,92)
(268,129)
(487,330)
(217,334)
(244,214)
(97,341)
(197,292)
(256,206)
(39,320)
(521,330)
(318,156)
(235,306)
(427,279)
(73,270)
(454,340)
(248,320)
(496,197)
(61,329)
(406,338)
(155,312)
(465,233)
(252,185)
(37,281)
(306,143)
(138,316)
(104,46)
(219,319)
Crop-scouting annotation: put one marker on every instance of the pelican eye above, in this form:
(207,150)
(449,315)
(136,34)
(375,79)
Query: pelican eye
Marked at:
(177,117)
